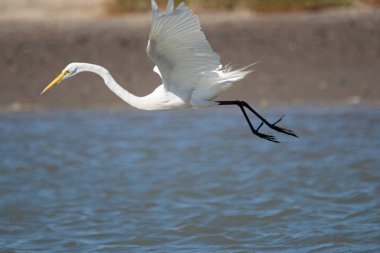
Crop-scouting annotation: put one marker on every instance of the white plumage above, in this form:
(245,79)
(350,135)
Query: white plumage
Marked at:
(190,70)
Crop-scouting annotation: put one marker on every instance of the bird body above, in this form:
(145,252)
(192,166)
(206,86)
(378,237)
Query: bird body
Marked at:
(191,72)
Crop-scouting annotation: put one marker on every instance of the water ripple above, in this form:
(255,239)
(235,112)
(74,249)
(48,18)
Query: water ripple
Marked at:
(95,181)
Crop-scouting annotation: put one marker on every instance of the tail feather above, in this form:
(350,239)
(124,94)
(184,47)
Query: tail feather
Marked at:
(228,75)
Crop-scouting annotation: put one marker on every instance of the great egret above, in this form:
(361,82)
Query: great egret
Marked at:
(190,70)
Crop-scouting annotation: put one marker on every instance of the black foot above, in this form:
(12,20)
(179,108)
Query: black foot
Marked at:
(267,137)
(264,136)
(280,129)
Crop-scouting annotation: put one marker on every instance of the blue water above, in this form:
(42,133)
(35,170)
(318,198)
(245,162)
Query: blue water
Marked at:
(189,181)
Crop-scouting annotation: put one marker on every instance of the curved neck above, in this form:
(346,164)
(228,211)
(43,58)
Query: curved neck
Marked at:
(111,83)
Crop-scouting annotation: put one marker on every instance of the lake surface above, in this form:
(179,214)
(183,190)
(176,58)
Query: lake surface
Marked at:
(189,181)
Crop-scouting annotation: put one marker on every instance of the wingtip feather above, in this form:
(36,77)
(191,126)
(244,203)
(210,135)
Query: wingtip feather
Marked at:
(155,9)
(170,7)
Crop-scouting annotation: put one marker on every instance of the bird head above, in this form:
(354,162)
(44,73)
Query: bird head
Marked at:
(69,71)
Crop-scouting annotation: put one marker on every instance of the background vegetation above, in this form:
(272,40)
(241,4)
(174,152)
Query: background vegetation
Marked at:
(254,5)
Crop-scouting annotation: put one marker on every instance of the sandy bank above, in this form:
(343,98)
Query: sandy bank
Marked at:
(329,58)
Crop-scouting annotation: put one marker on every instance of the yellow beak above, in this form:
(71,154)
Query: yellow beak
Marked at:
(57,80)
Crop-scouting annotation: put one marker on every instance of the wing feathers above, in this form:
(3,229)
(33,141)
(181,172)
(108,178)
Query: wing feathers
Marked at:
(178,46)
(184,59)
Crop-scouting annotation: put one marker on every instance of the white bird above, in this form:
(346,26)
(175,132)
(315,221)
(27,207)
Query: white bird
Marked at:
(190,70)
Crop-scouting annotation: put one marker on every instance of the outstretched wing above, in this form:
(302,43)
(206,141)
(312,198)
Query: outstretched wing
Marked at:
(179,48)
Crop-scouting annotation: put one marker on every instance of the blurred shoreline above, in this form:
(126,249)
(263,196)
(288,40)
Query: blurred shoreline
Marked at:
(329,58)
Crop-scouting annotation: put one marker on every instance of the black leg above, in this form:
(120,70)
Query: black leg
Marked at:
(243,104)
